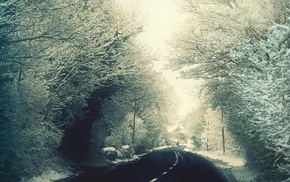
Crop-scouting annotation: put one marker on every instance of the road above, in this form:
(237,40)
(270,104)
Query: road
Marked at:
(167,165)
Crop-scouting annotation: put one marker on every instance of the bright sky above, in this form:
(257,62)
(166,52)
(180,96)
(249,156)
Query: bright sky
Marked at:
(163,20)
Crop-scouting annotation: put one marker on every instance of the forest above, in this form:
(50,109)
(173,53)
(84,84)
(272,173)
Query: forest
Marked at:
(71,75)
(74,80)
(241,50)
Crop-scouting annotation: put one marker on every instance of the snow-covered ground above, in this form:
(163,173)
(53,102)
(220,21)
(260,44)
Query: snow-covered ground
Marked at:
(123,161)
(229,159)
(236,164)
(136,157)
(49,176)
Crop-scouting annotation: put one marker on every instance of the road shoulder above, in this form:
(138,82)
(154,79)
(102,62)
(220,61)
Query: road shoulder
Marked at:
(234,168)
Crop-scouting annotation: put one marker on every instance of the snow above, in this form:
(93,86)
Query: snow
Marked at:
(236,164)
(160,148)
(243,174)
(109,149)
(49,176)
(123,161)
(231,160)
(125,147)
(136,157)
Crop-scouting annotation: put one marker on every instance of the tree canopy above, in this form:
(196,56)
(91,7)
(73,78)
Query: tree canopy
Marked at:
(240,48)
(63,65)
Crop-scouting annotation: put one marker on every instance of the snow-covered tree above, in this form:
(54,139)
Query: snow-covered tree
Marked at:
(143,98)
(262,80)
(54,55)
(246,71)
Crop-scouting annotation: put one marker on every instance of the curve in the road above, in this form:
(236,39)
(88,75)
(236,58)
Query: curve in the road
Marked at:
(167,165)
(164,173)
(193,168)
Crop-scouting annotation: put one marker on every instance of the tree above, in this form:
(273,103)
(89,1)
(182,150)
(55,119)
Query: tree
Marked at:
(55,55)
(262,84)
(194,123)
(203,47)
(241,61)
(141,104)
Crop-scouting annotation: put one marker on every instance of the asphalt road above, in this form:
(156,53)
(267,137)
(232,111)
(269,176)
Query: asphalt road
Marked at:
(167,165)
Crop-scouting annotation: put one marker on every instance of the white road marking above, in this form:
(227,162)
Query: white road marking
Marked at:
(176,156)
(175,163)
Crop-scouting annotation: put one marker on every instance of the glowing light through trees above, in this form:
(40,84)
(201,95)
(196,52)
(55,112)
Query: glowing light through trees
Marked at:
(162,20)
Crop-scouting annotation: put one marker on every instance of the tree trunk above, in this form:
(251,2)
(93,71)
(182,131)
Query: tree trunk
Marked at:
(134,124)
(223,132)
(223,135)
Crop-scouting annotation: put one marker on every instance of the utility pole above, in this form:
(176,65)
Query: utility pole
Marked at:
(134,123)
(223,131)
(207,133)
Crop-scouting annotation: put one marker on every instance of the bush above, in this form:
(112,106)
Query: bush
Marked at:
(110,153)
(124,152)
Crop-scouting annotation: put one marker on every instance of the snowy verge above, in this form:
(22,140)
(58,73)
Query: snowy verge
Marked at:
(137,157)
(235,164)
(53,175)
(162,147)
(229,159)
(122,161)
(49,176)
